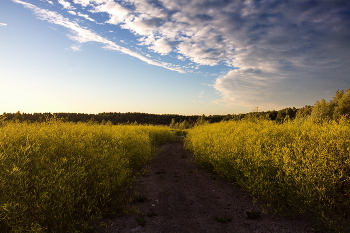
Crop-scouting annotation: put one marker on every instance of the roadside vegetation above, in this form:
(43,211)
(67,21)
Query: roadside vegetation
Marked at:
(298,167)
(60,177)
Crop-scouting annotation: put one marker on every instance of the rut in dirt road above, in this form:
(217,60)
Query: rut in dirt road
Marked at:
(178,196)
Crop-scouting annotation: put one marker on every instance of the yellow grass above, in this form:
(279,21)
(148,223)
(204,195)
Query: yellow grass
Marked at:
(297,167)
(58,177)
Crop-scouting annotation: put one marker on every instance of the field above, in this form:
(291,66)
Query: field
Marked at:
(298,167)
(60,177)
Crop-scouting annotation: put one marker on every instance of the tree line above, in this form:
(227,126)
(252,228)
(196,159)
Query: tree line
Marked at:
(107,117)
(334,109)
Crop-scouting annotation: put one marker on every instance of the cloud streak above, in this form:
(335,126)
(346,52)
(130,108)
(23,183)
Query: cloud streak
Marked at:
(83,35)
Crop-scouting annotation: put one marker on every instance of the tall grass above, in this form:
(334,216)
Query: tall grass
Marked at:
(59,177)
(297,167)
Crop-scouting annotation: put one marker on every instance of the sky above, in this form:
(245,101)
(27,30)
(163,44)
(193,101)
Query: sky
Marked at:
(188,57)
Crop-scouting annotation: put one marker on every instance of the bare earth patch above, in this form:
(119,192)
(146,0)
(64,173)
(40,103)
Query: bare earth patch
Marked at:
(176,195)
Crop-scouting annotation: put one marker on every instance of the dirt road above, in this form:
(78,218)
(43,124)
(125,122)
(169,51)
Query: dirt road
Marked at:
(177,196)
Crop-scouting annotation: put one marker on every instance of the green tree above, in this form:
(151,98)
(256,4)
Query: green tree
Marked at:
(109,122)
(336,108)
(2,119)
(342,102)
(177,125)
(18,117)
(172,124)
(323,110)
(285,114)
(185,125)
(201,120)
(304,111)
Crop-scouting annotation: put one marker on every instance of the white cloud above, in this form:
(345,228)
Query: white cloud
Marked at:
(148,9)
(83,35)
(48,1)
(65,4)
(191,28)
(140,26)
(201,94)
(85,16)
(82,2)
(247,87)
(116,12)
(3,24)
(161,46)
(181,58)
(72,12)
(76,47)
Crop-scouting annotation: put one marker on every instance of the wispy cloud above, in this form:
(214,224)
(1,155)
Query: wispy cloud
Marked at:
(47,1)
(85,16)
(83,35)
(247,87)
(3,24)
(201,94)
(76,47)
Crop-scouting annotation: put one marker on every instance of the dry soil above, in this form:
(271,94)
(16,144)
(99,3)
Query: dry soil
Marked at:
(176,195)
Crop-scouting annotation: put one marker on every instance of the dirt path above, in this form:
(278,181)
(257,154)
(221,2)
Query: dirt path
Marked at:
(177,196)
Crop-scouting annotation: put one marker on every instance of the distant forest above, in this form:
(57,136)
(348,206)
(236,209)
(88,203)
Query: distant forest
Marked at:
(334,109)
(146,118)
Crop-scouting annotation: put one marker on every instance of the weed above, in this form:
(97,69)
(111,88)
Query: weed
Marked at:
(162,171)
(151,213)
(223,219)
(138,197)
(141,220)
(251,214)
(144,172)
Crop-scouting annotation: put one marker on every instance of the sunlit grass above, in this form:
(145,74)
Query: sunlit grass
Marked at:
(59,177)
(298,167)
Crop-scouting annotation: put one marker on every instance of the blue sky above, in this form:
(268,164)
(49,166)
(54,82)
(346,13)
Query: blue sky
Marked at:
(186,57)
